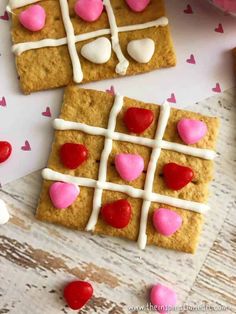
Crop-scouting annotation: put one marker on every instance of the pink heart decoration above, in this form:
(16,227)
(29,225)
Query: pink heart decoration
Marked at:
(191,131)
(47,113)
(63,194)
(172,98)
(89,10)
(33,18)
(26,147)
(219,29)
(137,6)
(5,16)
(3,102)
(188,9)
(166,221)
(163,298)
(111,91)
(217,88)
(191,59)
(129,166)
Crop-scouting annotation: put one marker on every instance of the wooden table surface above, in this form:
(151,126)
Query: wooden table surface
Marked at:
(37,259)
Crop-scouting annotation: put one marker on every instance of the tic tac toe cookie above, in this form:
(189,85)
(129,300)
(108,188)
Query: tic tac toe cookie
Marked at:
(130,169)
(59,41)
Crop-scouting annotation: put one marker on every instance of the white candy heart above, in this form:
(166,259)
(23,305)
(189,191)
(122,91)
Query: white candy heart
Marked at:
(4,214)
(141,50)
(97,51)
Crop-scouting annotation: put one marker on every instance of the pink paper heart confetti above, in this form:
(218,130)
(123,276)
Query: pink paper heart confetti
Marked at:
(219,29)
(191,59)
(172,98)
(3,102)
(5,16)
(47,112)
(111,91)
(188,9)
(217,88)
(26,147)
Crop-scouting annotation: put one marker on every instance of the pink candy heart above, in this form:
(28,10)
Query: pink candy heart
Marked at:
(137,5)
(129,166)
(191,131)
(166,221)
(163,298)
(33,18)
(63,194)
(89,10)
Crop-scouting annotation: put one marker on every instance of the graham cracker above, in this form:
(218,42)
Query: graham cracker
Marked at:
(93,108)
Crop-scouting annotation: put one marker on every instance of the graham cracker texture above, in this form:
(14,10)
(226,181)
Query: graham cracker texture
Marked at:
(47,68)
(93,108)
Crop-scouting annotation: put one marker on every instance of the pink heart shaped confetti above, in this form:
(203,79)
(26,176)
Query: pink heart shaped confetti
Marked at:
(3,102)
(172,98)
(33,18)
(191,131)
(111,91)
(219,29)
(129,166)
(217,88)
(26,147)
(137,6)
(5,16)
(166,221)
(191,59)
(63,194)
(163,298)
(47,112)
(188,9)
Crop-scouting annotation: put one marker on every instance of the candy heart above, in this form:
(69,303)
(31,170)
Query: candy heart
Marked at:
(141,50)
(129,166)
(89,10)
(97,51)
(33,18)
(166,221)
(176,176)
(63,194)
(163,298)
(137,120)
(73,155)
(117,214)
(77,294)
(191,131)
(5,151)
(4,214)
(137,5)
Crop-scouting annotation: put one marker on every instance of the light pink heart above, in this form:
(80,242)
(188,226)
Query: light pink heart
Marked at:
(137,6)
(191,59)
(217,88)
(163,298)
(47,113)
(89,10)
(129,166)
(33,18)
(166,221)
(3,102)
(191,131)
(26,147)
(172,98)
(63,194)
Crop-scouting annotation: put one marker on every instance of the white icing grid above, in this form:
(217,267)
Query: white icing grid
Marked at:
(72,39)
(147,193)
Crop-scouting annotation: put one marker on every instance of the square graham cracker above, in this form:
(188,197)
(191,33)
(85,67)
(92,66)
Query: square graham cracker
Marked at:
(51,67)
(93,108)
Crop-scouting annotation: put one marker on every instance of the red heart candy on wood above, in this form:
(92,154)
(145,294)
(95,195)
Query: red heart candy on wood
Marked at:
(73,155)
(77,294)
(117,214)
(5,151)
(176,176)
(137,120)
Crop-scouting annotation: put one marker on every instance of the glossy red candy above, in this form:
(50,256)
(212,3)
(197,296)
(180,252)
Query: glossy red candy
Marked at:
(137,120)
(77,294)
(5,151)
(73,155)
(177,176)
(117,214)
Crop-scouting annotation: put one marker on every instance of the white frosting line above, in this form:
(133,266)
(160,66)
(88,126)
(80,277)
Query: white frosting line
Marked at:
(123,64)
(22,47)
(60,124)
(14,4)
(102,175)
(77,71)
(162,123)
(52,175)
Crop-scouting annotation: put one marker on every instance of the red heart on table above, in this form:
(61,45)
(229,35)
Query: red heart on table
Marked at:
(188,9)
(137,120)
(5,151)
(77,294)
(219,29)
(73,155)
(4,17)
(47,112)
(117,214)
(191,59)
(172,98)
(176,176)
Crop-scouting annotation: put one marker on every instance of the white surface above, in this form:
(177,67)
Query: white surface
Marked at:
(195,34)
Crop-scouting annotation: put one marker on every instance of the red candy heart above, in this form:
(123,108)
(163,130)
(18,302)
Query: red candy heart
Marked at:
(117,214)
(176,176)
(73,155)
(5,151)
(77,293)
(137,120)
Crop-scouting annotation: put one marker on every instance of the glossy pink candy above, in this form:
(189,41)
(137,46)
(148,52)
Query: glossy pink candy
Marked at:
(163,298)
(129,166)
(63,194)
(191,131)
(33,18)
(137,5)
(166,221)
(89,10)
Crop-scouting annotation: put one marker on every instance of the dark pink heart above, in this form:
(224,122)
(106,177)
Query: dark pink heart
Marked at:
(217,88)
(111,91)
(3,102)
(4,17)
(191,59)
(188,9)
(172,98)
(219,29)
(47,113)
(26,147)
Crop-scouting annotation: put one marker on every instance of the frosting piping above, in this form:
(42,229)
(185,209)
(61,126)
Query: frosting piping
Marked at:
(102,175)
